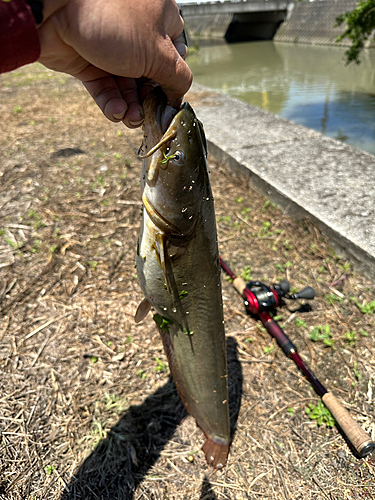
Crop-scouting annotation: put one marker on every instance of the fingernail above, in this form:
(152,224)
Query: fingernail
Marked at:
(119,116)
(136,124)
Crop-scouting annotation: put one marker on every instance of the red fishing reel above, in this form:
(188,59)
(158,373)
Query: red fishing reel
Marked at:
(260,297)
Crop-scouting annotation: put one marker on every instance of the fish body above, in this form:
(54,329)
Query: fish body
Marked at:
(179,271)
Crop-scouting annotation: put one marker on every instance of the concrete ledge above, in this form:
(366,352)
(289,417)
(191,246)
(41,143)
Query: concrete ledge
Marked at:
(302,171)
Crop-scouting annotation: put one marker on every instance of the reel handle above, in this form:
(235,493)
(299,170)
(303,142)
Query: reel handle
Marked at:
(284,286)
(307,293)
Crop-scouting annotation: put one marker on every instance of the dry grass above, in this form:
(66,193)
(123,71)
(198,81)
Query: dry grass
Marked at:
(88,410)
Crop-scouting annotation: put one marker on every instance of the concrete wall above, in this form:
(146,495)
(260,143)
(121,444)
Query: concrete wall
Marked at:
(235,27)
(312,22)
(237,21)
(307,22)
(254,26)
(207,26)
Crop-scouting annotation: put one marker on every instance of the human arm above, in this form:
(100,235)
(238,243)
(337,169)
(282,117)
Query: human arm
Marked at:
(19,41)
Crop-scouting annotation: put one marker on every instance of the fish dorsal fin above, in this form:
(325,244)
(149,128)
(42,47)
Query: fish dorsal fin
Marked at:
(142,310)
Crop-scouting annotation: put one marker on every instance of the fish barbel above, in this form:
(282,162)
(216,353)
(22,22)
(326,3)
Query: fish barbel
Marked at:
(178,267)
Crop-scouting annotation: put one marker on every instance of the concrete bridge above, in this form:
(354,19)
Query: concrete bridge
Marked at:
(240,20)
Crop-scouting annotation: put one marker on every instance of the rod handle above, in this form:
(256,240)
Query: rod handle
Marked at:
(239,284)
(360,440)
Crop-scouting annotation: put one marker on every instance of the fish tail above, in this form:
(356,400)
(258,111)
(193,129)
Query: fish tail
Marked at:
(216,451)
(215,448)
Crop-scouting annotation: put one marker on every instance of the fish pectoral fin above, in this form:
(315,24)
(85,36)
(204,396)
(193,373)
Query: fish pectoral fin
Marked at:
(142,310)
(160,246)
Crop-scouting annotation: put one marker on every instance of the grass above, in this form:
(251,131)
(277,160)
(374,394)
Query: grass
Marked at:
(366,307)
(322,333)
(161,366)
(82,390)
(246,273)
(320,414)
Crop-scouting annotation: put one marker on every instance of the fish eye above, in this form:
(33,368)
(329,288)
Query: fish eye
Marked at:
(178,157)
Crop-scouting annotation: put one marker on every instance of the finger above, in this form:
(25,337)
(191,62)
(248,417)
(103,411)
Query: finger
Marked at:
(107,96)
(181,49)
(174,21)
(171,72)
(144,87)
(181,44)
(129,91)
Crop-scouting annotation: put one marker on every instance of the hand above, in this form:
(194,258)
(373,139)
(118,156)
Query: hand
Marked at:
(114,47)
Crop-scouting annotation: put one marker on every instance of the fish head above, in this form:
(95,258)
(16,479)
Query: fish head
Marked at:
(174,179)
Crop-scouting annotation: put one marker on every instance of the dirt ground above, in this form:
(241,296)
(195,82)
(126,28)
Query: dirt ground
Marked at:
(87,406)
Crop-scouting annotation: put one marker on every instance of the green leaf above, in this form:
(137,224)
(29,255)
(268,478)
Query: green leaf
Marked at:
(49,469)
(322,333)
(166,158)
(321,414)
(186,331)
(246,273)
(359,24)
(350,337)
(327,329)
(366,308)
(161,366)
(300,322)
(269,349)
(162,322)
(278,318)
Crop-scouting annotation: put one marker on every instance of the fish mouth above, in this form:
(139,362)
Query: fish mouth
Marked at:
(166,119)
(158,118)
(160,222)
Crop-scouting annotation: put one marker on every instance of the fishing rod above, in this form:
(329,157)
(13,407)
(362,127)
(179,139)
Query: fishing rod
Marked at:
(259,299)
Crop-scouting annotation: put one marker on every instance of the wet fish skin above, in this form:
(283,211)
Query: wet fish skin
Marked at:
(179,271)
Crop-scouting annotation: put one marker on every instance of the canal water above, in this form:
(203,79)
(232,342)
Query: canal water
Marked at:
(310,85)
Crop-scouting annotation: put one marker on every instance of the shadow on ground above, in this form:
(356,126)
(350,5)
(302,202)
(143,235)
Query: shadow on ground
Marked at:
(207,493)
(120,461)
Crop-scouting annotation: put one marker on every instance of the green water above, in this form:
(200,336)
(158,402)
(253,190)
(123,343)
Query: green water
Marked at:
(310,85)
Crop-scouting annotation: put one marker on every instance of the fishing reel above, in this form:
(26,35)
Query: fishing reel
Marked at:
(260,297)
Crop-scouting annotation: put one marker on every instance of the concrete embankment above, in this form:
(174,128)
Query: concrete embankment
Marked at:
(302,171)
(208,26)
(304,22)
(313,22)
